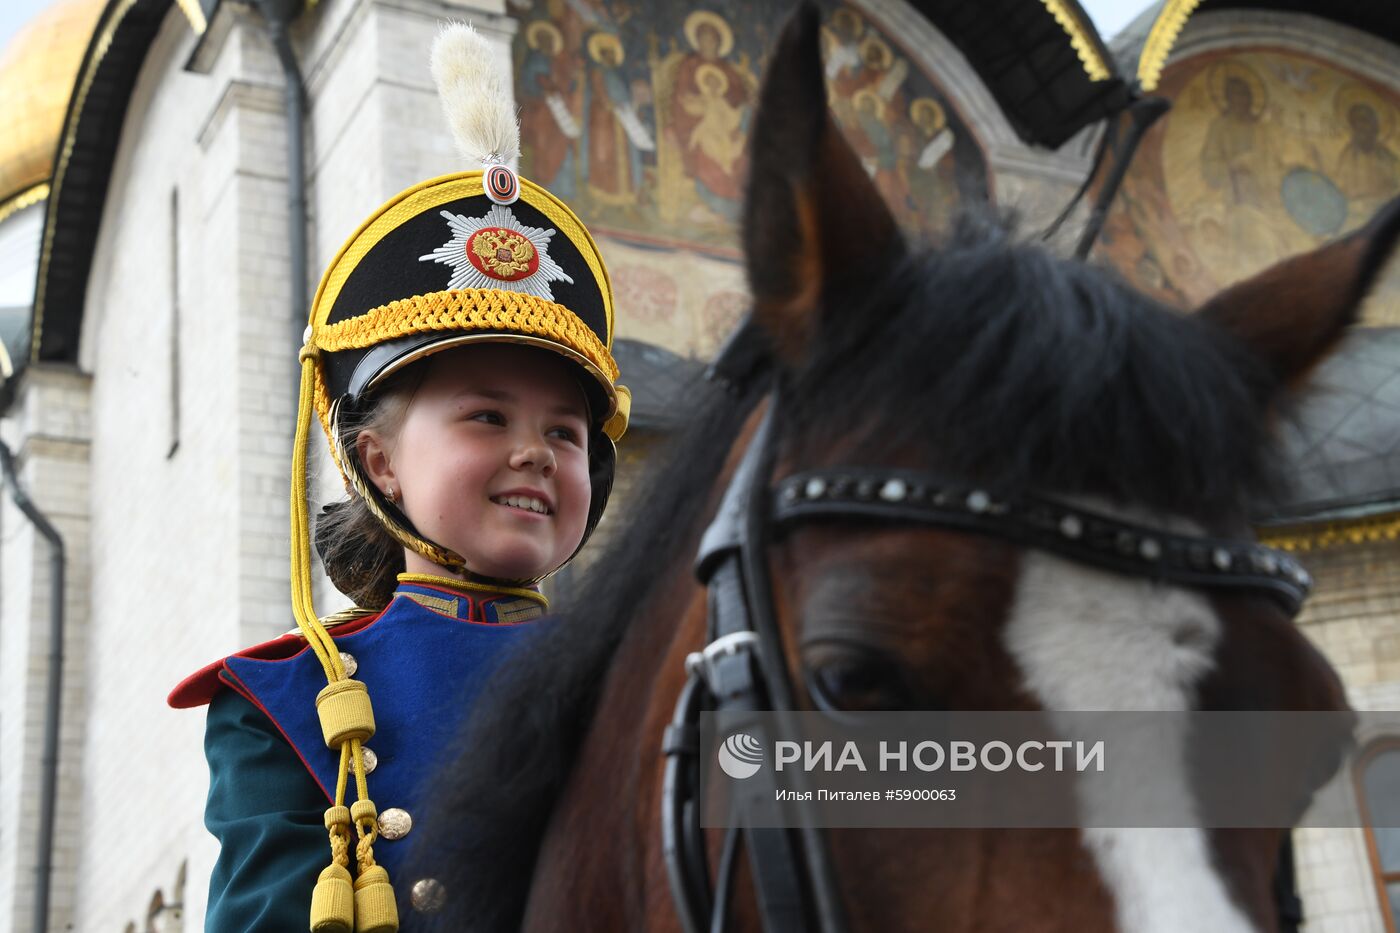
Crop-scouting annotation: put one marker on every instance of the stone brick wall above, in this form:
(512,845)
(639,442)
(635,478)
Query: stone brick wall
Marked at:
(48,431)
(1353,617)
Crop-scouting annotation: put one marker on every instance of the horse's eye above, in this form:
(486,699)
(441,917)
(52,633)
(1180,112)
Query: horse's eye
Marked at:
(856,681)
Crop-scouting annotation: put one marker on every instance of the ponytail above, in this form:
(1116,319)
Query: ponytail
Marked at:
(360,556)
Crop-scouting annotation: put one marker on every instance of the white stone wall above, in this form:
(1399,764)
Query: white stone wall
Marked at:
(47,430)
(192,529)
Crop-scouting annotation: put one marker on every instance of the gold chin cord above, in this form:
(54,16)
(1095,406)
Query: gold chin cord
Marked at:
(338,903)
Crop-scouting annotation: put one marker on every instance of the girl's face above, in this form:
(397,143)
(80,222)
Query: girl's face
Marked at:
(491,460)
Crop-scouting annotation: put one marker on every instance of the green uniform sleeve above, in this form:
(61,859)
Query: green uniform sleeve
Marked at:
(266,811)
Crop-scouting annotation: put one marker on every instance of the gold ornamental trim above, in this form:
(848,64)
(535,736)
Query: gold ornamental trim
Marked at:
(1321,536)
(27,198)
(195,14)
(524,319)
(1161,39)
(1082,38)
(434,193)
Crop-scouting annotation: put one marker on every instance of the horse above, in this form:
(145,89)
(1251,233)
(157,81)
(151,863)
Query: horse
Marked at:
(996,364)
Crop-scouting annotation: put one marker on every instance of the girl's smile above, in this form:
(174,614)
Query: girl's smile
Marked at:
(492,460)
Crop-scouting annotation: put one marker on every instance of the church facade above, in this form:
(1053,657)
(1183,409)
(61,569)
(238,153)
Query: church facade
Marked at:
(148,263)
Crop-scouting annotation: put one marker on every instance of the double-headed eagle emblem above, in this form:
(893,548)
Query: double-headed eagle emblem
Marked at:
(498,251)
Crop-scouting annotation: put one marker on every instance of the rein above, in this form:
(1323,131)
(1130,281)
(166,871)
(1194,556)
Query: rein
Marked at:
(742,667)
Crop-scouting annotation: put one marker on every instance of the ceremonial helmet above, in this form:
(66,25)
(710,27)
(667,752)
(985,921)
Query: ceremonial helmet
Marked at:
(480,256)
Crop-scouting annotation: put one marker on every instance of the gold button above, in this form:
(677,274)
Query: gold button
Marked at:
(371,760)
(394,823)
(428,895)
(351,665)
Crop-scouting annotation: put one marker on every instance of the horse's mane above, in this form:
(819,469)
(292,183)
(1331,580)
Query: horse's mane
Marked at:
(1001,364)
(998,362)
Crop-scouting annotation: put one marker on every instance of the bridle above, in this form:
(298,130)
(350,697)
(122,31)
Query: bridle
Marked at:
(742,666)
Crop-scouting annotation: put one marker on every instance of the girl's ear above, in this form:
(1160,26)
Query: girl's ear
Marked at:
(374,459)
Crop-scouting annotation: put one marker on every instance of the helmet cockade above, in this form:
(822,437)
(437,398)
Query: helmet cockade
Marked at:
(498,251)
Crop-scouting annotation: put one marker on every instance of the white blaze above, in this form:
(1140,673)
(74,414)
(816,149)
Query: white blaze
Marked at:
(1087,639)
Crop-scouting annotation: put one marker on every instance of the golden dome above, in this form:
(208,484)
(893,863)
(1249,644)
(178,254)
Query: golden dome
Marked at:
(37,72)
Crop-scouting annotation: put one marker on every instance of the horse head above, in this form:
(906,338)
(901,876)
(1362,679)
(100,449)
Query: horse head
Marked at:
(1017,377)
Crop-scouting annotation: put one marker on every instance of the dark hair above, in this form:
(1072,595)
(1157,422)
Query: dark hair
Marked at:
(361,557)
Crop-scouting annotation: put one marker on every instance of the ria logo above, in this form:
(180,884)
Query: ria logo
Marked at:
(740,756)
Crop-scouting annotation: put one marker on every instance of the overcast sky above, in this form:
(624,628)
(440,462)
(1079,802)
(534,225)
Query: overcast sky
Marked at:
(15,13)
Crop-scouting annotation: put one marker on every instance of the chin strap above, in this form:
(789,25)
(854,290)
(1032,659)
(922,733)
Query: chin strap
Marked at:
(338,903)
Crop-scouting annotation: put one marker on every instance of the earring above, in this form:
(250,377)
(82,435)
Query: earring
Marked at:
(390,494)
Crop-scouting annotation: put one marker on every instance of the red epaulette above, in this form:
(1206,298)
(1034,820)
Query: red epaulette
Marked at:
(199,688)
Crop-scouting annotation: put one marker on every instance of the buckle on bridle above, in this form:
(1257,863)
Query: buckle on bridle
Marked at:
(705,663)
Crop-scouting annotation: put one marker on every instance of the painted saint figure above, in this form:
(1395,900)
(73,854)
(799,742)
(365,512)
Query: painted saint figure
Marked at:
(1234,142)
(549,108)
(709,112)
(616,137)
(1367,169)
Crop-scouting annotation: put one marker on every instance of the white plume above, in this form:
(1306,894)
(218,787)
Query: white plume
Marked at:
(476,96)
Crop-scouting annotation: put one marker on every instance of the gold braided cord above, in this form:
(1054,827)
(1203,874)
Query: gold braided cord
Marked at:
(436,192)
(303,607)
(1320,536)
(468,586)
(340,774)
(468,309)
(438,555)
(26,198)
(1160,40)
(1081,38)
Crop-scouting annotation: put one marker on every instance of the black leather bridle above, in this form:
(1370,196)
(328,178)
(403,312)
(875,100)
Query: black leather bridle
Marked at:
(742,667)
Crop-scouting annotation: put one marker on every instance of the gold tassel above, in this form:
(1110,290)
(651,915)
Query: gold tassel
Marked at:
(375,909)
(333,898)
(333,901)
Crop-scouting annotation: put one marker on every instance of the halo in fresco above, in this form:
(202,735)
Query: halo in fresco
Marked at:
(1265,153)
(637,115)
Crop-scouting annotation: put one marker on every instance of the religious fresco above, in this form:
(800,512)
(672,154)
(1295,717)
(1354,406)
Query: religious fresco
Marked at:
(1265,153)
(637,115)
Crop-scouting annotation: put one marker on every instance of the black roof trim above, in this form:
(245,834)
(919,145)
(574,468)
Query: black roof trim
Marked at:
(1381,19)
(1029,63)
(93,125)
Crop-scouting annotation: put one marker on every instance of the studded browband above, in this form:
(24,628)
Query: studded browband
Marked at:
(1076,533)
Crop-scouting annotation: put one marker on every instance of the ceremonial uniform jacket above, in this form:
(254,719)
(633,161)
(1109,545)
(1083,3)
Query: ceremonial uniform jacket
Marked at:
(271,776)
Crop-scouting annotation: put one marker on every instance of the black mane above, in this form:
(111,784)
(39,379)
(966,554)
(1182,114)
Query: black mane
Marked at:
(1001,364)
(998,362)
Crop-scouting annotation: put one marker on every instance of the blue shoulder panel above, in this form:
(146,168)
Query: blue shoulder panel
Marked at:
(422,669)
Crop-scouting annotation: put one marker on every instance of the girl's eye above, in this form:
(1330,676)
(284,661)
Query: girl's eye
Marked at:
(565,434)
(488,417)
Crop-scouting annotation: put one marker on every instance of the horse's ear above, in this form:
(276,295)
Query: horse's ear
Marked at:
(1293,313)
(814,223)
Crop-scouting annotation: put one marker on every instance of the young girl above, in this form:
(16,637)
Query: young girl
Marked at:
(458,357)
